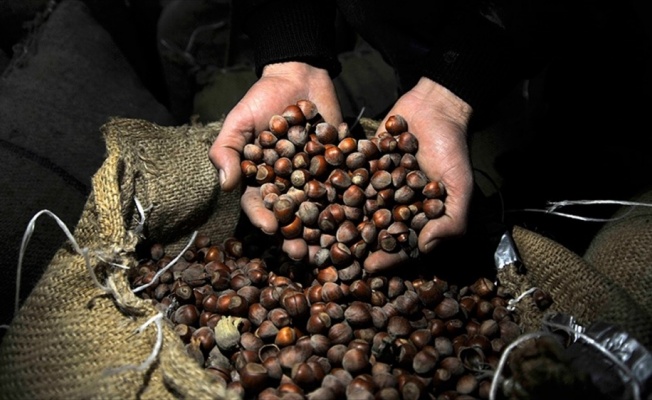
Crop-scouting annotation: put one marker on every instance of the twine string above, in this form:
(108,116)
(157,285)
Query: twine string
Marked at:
(29,231)
(511,304)
(158,323)
(553,206)
(84,252)
(168,266)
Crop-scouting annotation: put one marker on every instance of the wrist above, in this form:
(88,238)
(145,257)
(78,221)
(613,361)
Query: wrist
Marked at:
(294,69)
(443,100)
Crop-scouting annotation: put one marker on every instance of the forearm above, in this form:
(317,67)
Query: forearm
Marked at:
(478,53)
(291,30)
(472,58)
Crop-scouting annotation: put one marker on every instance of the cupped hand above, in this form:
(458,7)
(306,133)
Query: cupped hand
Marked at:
(279,86)
(439,120)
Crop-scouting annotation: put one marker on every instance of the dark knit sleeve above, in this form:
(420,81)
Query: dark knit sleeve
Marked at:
(472,57)
(292,30)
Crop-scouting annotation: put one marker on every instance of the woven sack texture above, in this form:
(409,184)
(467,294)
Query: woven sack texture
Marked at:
(622,250)
(577,288)
(76,338)
(66,77)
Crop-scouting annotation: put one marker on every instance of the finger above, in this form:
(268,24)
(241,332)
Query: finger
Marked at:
(225,152)
(436,229)
(453,222)
(330,113)
(258,214)
(381,261)
(296,249)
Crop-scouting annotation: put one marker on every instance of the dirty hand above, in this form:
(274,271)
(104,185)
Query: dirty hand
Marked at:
(280,85)
(439,120)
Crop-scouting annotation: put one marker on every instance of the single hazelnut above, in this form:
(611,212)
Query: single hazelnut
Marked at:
(253,377)
(326,133)
(266,139)
(278,125)
(396,124)
(308,109)
(314,148)
(333,155)
(293,114)
(356,160)
(407,143)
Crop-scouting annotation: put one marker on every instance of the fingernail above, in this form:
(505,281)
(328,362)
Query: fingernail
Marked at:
(222,175)
(428,247)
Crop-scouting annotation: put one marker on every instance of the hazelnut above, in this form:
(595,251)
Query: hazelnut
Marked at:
(339,179)
(294,115)
(333,155)
(270,156)
(266,139)
(355,361)
(353,196)
(360,290)
(381,179)
(308,109)
(340,254)
(314,148)
(348,145)
(433,208)
(253,152)
(396,124)
(254,377)
(286,336)
(326,133)
(318,323)
(409,161)
(301,160)
(331,291)
(340,333)
(283,166)
(292,230)
(357,314)
(434,190)
(382,218)
(399,326)
(407,143)
(347,232)
(387,144)
(284,210)
(278,125)
(296,305)
(356,160)
(265,173)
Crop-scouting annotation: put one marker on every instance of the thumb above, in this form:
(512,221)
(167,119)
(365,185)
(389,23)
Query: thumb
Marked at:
(225,156)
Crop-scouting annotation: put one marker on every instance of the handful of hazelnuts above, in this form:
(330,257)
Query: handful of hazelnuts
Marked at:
(348,195)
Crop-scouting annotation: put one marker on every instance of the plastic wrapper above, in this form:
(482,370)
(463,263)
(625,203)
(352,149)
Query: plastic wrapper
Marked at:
(601,356)
(617,364)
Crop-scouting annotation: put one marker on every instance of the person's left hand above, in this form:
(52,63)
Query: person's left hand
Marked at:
(439,120)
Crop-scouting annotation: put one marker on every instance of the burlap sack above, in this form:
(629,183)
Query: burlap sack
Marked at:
(622,250)
(75,338)
(576,286)
(66,77)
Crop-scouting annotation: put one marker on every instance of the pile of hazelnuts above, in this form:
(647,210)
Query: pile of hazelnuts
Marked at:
(348,195)
(268,327)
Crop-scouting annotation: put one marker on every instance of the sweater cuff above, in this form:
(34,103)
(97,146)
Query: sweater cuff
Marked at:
(294,31)
(472,61)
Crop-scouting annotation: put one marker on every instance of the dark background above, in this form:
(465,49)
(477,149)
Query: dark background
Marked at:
(582,134)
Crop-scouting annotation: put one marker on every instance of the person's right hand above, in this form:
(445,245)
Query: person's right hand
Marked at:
(280,85)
